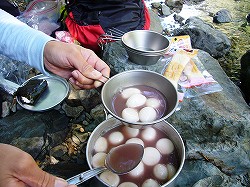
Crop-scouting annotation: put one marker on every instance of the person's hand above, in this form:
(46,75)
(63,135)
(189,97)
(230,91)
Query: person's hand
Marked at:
(81,66)
(19,169)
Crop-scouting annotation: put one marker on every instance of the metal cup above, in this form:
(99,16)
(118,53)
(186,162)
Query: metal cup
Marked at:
(139,77)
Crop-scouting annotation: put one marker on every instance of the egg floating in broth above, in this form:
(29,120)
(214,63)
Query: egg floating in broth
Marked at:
(126,93)
(153,102)
(147,114)
(135,140)
(110,178)
(165,146)
(130,114)
(136,100)
(139,104)
(148,134)
(171,171)
(130,132)
(116,138)
(127,184)
(99,159)
(101,145)
(150,183)
(138,171)
(151,156)
(160,171)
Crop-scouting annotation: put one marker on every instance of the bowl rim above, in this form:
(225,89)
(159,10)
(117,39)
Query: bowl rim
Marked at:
(138,123)
(144,51)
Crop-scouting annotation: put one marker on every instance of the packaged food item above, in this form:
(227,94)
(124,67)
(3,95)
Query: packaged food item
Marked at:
(186,69)
(178,42)
(30,92)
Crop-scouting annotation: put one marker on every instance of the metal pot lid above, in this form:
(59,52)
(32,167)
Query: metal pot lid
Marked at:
(57,91)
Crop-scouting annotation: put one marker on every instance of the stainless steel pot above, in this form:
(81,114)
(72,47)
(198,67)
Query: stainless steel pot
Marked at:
(139,77)
(164,126)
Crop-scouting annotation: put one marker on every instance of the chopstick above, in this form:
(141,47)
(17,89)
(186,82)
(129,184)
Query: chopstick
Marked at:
(102,81)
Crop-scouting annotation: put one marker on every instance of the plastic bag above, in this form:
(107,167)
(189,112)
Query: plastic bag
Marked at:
(12,71)
(193,79)
(42,15)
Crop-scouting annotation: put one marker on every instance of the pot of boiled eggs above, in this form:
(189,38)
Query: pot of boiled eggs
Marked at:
(163,156)
(139,98)
(139,101)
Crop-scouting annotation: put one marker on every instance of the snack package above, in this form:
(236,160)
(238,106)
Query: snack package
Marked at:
(193,79)
(196,80)
(65,36)
(178,42)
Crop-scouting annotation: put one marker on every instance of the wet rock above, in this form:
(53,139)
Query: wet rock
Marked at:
(222,16)
(165,10)
(73,112)
(175,5)
(34,132)
(245,76)
(179,19)
(84,98)
(5,108)
(156,5)
(155,22)
(205,37)
(248,18)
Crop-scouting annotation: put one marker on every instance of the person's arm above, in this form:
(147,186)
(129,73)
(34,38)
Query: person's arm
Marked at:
(81,66)
(21,42)
(19,169)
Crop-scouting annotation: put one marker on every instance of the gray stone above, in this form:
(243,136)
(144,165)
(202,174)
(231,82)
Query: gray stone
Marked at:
(155,22)
(175,5)
(34,132)
(73,112)
(205,37)
(222,16)
(165,10)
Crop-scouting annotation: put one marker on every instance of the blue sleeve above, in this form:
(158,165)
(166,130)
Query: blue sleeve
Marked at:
(21,42)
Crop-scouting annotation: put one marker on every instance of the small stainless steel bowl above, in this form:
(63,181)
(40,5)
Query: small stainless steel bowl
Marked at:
(165,127)
(145,41)
(139,77)
(145,47)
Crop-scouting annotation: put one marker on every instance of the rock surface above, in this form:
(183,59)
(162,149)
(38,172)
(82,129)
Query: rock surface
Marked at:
(204,36)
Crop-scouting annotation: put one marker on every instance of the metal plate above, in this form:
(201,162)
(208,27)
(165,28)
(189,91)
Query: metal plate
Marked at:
(57,91)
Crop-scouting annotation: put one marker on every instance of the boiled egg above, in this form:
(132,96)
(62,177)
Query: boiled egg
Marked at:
(151,156)
(136,100)
(135,140)
(147,114)
(160,171)
(150,183)
(126,93)
(98,159)
(116,138)
(101,145)
(110,178)
(165,146)
(153,102)
(148,134)
(130,115)
(130,132)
